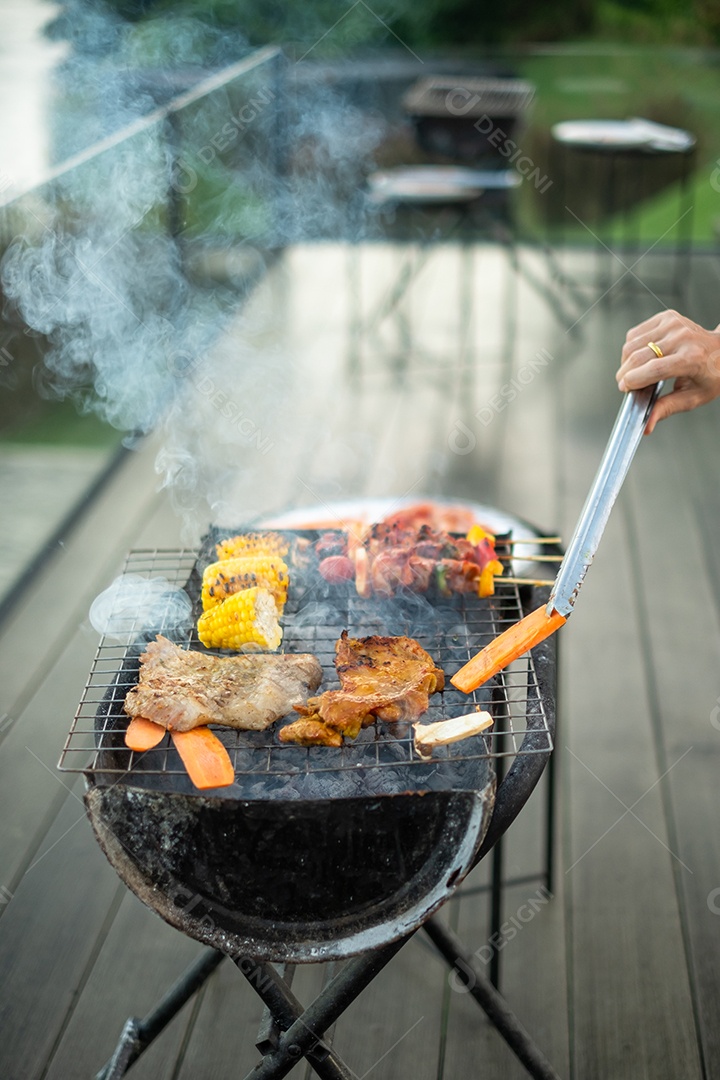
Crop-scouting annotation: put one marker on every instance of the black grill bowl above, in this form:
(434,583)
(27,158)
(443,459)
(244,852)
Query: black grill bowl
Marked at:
(294,881)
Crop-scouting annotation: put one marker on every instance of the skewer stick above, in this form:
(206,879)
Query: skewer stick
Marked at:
(533,558)
(534,540)
(523,580)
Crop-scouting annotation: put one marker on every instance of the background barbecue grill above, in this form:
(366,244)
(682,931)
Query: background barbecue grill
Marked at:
(453,117)
(314,853)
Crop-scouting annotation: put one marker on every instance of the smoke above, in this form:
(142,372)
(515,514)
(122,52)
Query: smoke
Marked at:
(139,264)
(134,603)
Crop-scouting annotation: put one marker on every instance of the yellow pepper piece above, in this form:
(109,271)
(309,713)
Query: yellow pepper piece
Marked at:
(477,533)
(486,584)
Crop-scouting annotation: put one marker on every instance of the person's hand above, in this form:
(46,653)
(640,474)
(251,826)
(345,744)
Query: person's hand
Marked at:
(691,356)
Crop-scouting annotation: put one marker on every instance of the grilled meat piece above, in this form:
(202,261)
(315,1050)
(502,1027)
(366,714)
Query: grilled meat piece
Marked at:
(182,689)
(310,731)
(389,678)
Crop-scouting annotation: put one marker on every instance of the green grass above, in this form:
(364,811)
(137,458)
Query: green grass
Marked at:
(650,221)
(59,424)
(595,80)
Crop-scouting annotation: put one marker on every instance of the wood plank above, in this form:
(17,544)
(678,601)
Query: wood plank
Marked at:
(683,630)
(58,599)
(393,1028)
(40,484)
(222,1040)
(43,696)
(138,960)
(531,946)
(31,790)
(631,1002)
(48,940)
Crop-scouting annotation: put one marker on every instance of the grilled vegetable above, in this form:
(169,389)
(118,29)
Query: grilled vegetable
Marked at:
(245,618)
(207,761)
(222,579)
(507,647)
(444,732)
(143,734)
(362,572)
(476,534)
(252,544)
(486,584)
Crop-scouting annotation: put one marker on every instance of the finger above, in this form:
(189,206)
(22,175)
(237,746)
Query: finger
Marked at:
(638,352)
(677,401)
(665,325)
(632,377)
(646,328)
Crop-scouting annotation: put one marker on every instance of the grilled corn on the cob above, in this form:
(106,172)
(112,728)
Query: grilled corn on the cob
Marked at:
(252,544)
(243,619)
(222,579)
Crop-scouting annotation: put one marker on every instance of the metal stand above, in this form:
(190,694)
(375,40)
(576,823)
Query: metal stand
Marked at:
(609,146)
(468,214)
(294,1032)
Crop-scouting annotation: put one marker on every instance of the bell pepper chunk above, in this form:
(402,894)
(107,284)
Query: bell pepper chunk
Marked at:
(486,582)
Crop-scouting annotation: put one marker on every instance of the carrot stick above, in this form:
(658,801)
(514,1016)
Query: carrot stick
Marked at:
(515,641)
(143,734)
(205,758)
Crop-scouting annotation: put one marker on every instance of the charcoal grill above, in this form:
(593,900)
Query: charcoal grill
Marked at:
(454,117)
(314,853)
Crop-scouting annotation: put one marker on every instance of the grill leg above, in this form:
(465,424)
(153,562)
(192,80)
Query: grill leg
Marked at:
(138,1034)
(268,1032)
(282,1010)
(496,899)
(303,1036)
(501,1017)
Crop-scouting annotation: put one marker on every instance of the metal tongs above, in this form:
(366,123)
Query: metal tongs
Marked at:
(534,628)
(619,452)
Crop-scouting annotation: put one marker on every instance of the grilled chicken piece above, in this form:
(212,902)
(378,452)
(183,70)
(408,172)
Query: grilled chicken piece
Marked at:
(390,678)
(310,731)
(182,689)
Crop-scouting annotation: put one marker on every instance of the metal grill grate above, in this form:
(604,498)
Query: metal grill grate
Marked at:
(451,630)
(468,97)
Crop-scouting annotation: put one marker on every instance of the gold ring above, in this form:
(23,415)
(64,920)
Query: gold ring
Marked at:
(656,349)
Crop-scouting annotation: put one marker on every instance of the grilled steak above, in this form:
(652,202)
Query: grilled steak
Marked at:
(390,678)
(183,689)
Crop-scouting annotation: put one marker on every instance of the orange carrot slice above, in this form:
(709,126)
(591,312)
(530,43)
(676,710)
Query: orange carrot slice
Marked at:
(515,641)
(143,734)
(205,758)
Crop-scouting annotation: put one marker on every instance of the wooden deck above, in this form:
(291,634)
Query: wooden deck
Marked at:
(619,975)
